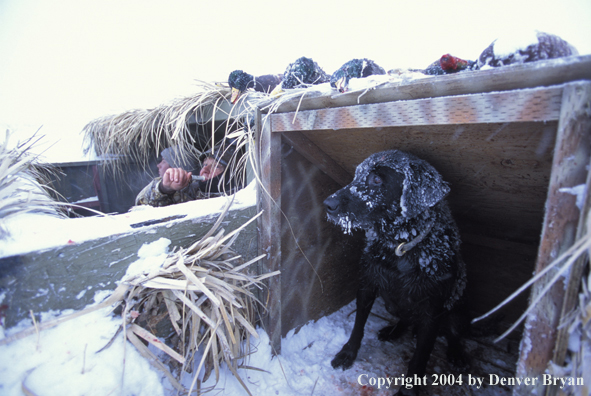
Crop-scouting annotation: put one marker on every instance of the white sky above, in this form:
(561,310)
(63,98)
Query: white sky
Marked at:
(65,63)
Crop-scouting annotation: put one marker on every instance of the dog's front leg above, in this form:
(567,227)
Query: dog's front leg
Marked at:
(347,355)
(426,335)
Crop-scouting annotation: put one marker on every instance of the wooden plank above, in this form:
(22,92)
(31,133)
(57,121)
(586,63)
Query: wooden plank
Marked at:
(576,273)
(540,104)
(67,277)
(528,75)
(487,165)
(320,264)
(572,153)
(573,288)
(269,224)
(318,157)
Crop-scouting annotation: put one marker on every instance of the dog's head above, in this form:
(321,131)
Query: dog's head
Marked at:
(388,186)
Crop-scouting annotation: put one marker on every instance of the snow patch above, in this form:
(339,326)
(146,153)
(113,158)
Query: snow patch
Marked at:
(511,43)
(151,257)
(65,361)
(33,232)
(579,191)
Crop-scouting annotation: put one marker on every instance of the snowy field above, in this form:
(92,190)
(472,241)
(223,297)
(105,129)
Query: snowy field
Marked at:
(66,360)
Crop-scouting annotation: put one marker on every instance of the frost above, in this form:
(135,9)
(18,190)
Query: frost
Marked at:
(151,257)
(345,224)
(579,191)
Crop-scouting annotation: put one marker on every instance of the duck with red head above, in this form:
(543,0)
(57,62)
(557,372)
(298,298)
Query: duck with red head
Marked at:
(448,64)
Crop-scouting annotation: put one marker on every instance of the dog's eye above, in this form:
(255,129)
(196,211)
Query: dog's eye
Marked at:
(374,180)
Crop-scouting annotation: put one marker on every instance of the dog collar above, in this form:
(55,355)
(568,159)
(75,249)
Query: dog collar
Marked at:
(406,246)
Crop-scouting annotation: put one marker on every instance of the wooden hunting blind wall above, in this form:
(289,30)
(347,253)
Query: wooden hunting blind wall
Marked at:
(507,140)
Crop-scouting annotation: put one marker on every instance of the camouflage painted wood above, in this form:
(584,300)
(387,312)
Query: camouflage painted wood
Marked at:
(67,277)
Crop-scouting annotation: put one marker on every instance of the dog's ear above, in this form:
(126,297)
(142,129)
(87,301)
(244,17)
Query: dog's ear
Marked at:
(423,187)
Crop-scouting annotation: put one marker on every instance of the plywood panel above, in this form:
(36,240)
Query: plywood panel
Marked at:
(526,105)
(499,173)
(319,263)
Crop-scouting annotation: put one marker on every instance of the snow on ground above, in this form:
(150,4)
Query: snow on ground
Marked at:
(65,361)
(303,367)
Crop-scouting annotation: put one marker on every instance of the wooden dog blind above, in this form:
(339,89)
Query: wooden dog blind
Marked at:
(506,139)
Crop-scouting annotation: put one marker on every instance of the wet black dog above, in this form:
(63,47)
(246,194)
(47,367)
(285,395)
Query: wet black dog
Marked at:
(411,257)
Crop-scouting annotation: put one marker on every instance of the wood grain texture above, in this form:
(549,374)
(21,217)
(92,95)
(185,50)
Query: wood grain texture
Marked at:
(318,157)
(538,104)
(569,168)
(487,165)
(269,225)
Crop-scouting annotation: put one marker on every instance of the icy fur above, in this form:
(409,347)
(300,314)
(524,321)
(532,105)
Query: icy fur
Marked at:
(422,199)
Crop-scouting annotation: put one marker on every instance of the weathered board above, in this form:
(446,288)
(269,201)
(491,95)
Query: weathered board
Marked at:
(68,277)
(562,220)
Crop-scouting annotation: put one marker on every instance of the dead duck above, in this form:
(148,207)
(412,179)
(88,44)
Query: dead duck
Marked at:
(524,47)
(448,64)
(355,68)
(240,81)
(301,74)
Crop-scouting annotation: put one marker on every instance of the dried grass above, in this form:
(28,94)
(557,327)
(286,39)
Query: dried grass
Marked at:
(578,322)
(138,135)
(141,134)
(24,182)
(204,292)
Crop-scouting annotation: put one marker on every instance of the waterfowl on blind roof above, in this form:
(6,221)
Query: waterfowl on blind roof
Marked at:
(300,74)
(355,68)
(240,81)
(448,64)
(523,48)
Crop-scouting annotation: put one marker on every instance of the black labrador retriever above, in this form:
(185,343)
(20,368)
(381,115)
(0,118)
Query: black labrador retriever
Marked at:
(411,257)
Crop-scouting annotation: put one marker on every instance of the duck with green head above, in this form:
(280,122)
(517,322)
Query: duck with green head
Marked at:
(240,81)
(355,68)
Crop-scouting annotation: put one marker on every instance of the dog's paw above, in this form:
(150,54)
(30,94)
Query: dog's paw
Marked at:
(344,358)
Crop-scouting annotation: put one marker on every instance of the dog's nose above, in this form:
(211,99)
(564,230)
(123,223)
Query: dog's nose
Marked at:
(331,204)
